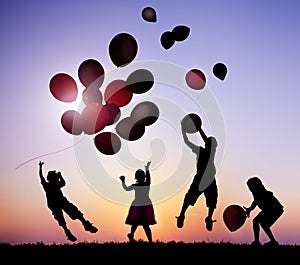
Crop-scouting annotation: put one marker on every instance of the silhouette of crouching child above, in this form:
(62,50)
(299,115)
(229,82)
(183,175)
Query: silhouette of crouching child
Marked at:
(57,202)
(271,210)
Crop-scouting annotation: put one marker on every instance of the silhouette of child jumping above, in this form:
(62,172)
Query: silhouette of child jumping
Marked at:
(141,211)
(271,210)
(204,180)
(58,203)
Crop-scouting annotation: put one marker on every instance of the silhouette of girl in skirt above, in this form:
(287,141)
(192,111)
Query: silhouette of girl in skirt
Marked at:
(141,211)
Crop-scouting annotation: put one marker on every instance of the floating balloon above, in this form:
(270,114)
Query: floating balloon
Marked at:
(234,217)
(63,87)
(70,121)
(145,112)
(139,81)
(91,95)
(117,94)
(149,14)
(180,33)
(167,40)
(94,118)
(191,123)
(114,113)
(220,71)
(195,79)
(122,49)
(91,73)
(107,143)
(129,129)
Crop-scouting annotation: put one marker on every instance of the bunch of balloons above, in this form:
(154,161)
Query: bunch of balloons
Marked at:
(104,110)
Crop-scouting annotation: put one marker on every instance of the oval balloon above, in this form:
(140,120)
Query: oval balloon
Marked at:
(91,95)
(195,79)
(71,122)
(91,73)
(63,87)
(146,112)
(191,123)
(220,71)
(181,32)
(114,113)
(139,81)
(94,118)
(129,129)
(167,40)
(116,93)
(234,216)
(122,49)
(107,143)
(149,14)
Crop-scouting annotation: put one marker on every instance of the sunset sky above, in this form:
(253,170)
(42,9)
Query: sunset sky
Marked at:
(253,113)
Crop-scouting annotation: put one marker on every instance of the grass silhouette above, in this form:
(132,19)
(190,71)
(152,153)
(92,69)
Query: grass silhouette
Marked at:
(144,252)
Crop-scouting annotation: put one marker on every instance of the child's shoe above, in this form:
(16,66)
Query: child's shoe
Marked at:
(89,227)
(180,220)
(70,236)
(209,223)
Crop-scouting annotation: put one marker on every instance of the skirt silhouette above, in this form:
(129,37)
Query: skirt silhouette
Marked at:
(141,215)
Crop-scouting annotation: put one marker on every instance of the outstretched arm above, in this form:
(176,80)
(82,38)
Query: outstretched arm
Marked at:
(148,177)
(249,209)
(41,172)
(125,187)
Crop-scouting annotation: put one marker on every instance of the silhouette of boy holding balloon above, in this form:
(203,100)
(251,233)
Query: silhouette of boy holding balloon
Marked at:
(204,180)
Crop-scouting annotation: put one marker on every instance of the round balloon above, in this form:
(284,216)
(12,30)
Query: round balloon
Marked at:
(139,81)
(195,79)
(167,40)
(234,216)
(91,95)
(181,32)
(71,122)
(191,123)
(129,129)
(149,14)
(220,71)
(91,73)
(63,87)
(107,143)
(94,118)
(114,113)
(122,49)
(116,93)
(146,112)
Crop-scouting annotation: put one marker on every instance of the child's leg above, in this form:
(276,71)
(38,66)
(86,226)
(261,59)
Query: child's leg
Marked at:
(59,217)
(75,213)
(148,232)
(256,228)
(131,234)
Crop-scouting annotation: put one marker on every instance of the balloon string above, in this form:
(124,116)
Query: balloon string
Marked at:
(52,153)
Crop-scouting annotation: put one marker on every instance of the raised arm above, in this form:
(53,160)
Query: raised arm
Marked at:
(148,177)
(191,145)
(125,187)
(61,180)
(203,135)
(41,172)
